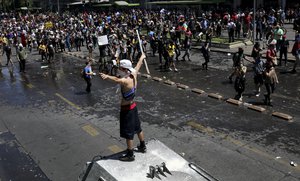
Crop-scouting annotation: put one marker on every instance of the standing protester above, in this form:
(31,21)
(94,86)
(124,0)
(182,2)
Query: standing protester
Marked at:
(270,75)
(238,29)
(43,51)
(259,24)
(205,51)
(177,49)
(171,53)
(271,55)
(259,69)
(283,50)
(50,53)
(255,51)
(87,75)
(270,82)
(278,33)
(238,62)
(296,51)
(129,120)
(160,51)
(153,42)
(21,56)
(240,82)
(187,47)
(231,27)
(102,58)
(8,53)
(90,49)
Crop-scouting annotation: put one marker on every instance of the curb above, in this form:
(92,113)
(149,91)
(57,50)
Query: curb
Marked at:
(256,108)
(157,79)
(234,101)
(234,50)
(198,91)
(169,82)
(182,86)
(282,116)
(215,96)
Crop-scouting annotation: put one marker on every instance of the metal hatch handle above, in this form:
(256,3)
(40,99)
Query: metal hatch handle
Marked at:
(87,171)
(202,172)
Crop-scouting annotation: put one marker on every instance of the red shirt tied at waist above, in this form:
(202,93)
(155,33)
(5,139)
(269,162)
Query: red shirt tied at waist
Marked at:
(128,107)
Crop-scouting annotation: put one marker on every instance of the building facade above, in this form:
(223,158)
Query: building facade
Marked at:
(54,5)
(283,4)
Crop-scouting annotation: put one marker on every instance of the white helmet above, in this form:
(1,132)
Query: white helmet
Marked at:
(127,64)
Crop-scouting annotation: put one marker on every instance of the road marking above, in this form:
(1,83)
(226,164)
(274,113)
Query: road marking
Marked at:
(30,86)
(115,149)
(199,127)
(67,101)
(240,144)
(90,130)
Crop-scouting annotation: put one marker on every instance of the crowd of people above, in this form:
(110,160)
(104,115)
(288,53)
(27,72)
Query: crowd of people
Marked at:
(168,33)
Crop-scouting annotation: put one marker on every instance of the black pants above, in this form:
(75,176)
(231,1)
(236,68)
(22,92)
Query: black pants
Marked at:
(88,84)
(22,65)
(270,89)
(206,58)
(8,59)
(283,52)
(231,35)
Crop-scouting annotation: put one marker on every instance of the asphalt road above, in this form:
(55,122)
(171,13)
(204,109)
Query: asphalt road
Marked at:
(50,127)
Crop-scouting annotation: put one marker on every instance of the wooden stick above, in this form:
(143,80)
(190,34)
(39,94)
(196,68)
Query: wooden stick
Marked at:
(137,32)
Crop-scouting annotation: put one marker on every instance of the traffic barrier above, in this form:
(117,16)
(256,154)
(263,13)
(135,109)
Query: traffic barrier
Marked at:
(157,79)
(282,116)
(215,96)
(256,108)
(169,82)
(182,86)
(198,91)
(234,101)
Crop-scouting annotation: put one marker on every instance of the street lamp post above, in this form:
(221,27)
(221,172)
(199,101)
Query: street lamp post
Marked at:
(254,23)
(58,6)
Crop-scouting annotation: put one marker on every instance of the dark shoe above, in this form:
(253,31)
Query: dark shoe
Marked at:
(126,158)
(141,149)
(293,71)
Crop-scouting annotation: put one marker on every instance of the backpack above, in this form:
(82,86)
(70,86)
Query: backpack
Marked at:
(83,73)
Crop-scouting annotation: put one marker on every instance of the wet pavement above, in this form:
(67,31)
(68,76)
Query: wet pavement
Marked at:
(47,112)
(15,163)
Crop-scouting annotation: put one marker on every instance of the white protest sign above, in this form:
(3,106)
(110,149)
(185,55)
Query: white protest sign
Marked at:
(102,40)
